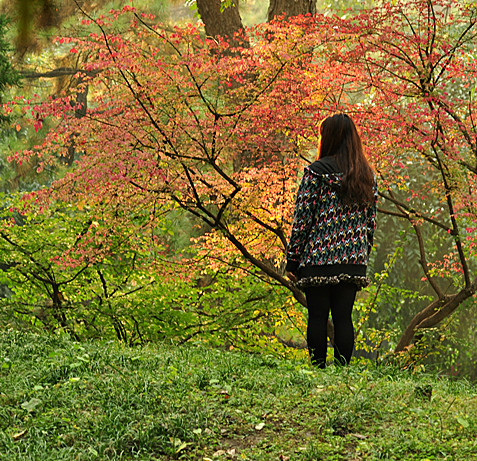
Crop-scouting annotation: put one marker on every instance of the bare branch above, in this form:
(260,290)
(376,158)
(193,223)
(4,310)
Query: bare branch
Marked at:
(423,260)
(60,72)
(410,212)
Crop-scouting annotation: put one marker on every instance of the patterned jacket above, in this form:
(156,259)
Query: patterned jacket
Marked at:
(325,231)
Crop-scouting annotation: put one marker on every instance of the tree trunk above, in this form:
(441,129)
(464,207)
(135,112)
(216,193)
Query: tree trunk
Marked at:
(434,313)
(220,23)
(227,22)
(290,8)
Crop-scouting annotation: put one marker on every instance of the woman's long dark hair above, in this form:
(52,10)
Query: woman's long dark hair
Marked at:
(339,138)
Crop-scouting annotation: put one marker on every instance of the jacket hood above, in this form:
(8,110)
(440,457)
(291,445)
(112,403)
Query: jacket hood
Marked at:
(326,170)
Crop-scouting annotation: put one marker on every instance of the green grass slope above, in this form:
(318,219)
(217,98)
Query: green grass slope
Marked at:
(61,400)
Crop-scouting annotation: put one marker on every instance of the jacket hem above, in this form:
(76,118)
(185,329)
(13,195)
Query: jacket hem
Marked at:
(358,280)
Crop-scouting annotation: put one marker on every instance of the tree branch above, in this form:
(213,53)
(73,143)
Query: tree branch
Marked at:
(449,306)
(411,211)
(59,72)
(423,260)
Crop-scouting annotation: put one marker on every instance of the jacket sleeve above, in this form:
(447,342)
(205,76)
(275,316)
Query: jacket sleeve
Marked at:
(303,218)
(371,219)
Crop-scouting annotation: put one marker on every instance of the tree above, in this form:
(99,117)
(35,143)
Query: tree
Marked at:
(56,282)
(8,75)
(418,64)
(171,111)
(183,130)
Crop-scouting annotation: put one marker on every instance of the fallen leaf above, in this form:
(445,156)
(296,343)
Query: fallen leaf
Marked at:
(259,426)
(182,446)
(320,389)
(31,405)
(19,435)
(463,422)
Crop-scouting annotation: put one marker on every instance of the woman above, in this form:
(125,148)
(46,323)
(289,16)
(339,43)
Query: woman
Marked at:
(332,236)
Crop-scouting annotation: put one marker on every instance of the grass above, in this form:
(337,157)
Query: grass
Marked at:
(61,400)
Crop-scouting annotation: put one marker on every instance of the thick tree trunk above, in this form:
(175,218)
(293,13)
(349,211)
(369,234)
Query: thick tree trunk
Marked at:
(220,23)
(290,7)
(227,22)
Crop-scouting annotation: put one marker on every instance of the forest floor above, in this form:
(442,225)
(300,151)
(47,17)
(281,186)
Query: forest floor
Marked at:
(61,400)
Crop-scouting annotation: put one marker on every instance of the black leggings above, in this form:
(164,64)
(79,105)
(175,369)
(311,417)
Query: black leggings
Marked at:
(339,299)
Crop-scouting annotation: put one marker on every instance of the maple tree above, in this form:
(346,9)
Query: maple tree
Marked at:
(420,120)
(173,115)
(181,150)
(128,291)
